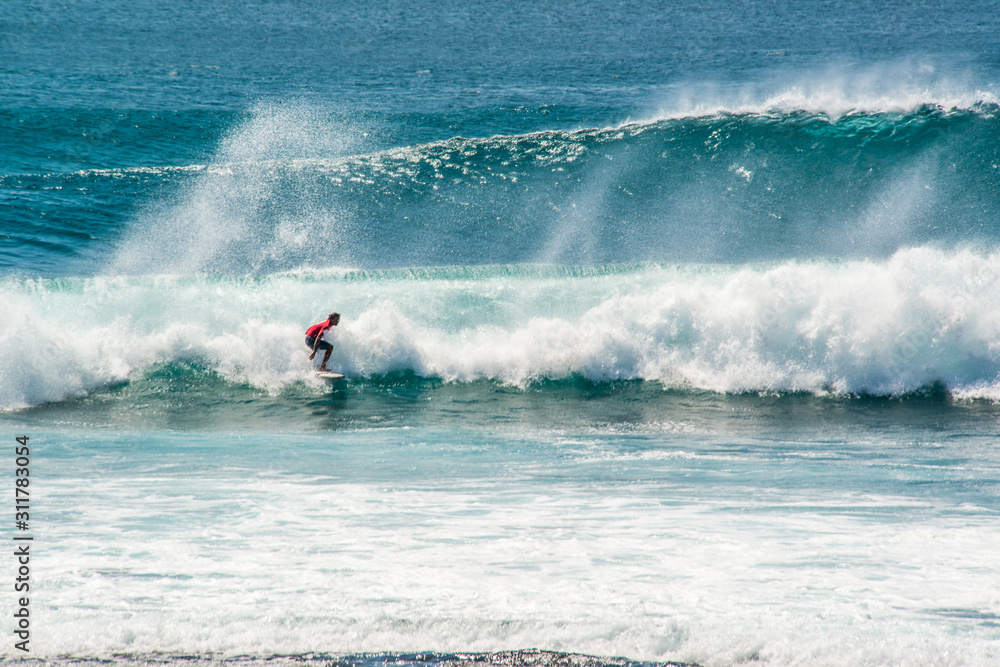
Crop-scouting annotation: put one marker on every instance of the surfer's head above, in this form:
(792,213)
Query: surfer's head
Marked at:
(334,318)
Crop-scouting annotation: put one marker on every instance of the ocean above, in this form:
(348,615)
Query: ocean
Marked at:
(670,333)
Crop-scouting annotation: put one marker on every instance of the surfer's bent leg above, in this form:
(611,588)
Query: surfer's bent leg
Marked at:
(321,345)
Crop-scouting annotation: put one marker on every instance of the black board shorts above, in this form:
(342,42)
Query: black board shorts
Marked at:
(323,345)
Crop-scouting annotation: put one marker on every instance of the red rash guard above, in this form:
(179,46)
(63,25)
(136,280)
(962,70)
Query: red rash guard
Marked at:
(317,330)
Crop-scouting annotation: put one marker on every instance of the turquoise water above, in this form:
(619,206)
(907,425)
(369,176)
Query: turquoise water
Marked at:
(669,334)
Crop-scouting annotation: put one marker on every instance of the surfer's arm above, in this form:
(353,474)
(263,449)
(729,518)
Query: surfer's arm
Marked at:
(316,340)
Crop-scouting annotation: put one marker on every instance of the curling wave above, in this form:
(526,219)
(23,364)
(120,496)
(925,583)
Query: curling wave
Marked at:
(723,187)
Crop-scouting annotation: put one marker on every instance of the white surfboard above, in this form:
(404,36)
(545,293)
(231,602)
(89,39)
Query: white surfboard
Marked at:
(328,376)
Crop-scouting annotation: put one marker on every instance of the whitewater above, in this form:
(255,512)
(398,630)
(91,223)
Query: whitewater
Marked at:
(921,318)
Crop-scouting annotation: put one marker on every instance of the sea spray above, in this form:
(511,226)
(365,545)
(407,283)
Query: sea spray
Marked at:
(253,208)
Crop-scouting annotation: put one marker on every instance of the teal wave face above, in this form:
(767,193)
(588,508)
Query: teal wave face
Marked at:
(291,187)
(724,188)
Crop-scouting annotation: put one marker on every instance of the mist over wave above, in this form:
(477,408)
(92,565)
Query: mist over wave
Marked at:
(922,317)
(288,190)
(253,208)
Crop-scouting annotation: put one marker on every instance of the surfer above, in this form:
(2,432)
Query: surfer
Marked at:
(314,339)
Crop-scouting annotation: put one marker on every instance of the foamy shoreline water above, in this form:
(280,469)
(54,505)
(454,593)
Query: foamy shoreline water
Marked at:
(521,658)
(685,546)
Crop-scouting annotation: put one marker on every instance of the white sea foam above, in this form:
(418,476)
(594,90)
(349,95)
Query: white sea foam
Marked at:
(924,316)
(839,89)
(293,564)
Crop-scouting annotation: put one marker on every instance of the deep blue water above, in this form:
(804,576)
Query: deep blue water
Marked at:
(670,332)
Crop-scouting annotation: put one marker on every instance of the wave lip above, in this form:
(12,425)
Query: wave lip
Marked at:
(892,87)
